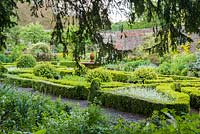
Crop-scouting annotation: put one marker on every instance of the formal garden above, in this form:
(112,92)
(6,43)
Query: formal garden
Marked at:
(158,80)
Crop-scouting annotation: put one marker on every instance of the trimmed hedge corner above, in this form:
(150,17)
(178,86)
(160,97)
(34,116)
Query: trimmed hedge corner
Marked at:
(143,106)
(194,94)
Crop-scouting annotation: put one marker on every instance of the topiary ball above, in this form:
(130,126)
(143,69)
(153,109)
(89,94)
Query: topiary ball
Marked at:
(26,61)
(45,70)
(103,75)
(145,73)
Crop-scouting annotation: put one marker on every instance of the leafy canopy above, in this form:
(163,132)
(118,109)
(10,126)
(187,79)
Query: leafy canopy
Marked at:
(176,18)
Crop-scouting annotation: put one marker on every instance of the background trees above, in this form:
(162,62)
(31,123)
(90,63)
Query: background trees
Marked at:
(176,18)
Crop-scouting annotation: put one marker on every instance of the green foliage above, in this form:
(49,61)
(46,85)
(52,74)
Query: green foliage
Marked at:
(2,69)
(102,74)
(34,33)
(95,86)
(5,58)
(26,61)
(13,36)
(127,66)
(179,65)
(131,66)
(81,70)
(176,87)
(16,52)
(145,73)
(120,76)
(45,70)
(140,105)
(68,63)
(68,89)
(195,66)
(41,51)
(24,112)
(164,68)
(194,94)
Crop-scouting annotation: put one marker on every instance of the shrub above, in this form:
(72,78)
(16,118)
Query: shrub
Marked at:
(73,90)
(178,65)
(2,70)
(194,94)
(5,58)
(95,86)
(81,70)
(131,66)
(145,73)
(45,70)
(26,61)
(103,75)
(41,51)
(164,68)
(34,33)
(137,103)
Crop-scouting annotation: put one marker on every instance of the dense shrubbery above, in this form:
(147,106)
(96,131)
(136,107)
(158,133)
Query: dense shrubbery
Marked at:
(177,66)
(45,70)
(5,58)
(41,51)
(145,73)
(127,66)
(2,69)
(26,61)
(103,75)
(81,70)
(22,112)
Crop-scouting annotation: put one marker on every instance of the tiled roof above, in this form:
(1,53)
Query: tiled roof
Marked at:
(126,40)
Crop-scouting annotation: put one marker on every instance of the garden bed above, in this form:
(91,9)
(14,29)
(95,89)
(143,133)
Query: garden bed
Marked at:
(135,100)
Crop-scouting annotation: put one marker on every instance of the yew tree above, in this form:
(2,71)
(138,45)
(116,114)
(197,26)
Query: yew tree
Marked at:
(176,19)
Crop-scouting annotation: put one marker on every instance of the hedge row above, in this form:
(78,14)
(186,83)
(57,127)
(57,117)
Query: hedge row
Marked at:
(75,92)
(71,64)
(176,77)
(20,71)
(120,76)
(194,94)
(140,106)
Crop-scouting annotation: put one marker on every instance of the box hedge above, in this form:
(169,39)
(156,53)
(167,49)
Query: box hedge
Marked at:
(146,107)
(194,94)
(120,76)
(75,92)
(71,64)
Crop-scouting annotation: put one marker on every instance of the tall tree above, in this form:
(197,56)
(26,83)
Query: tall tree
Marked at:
(8,16)
(177,17)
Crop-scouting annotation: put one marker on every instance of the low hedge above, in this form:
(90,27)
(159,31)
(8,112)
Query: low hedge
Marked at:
(165,80)
(75,92)
(176,77)
(194,94)
(189,84)
(61,81)
(21,71)
(140,106)
(120,76)
(71,64)
(64,72)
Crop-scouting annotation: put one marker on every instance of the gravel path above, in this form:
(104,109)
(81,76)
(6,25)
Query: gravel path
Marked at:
(83,104)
